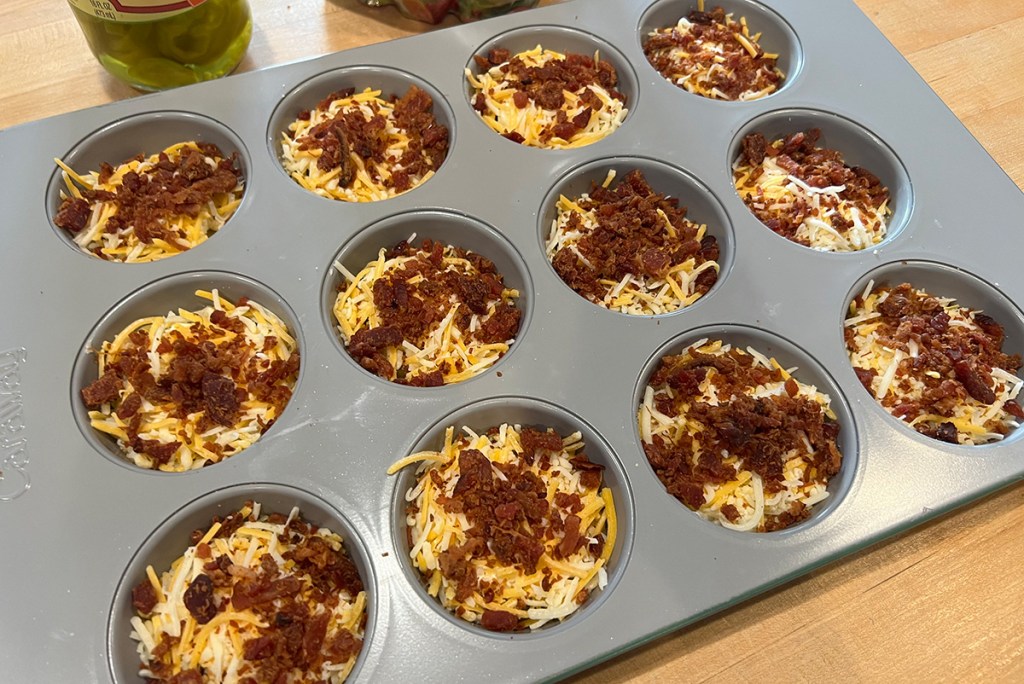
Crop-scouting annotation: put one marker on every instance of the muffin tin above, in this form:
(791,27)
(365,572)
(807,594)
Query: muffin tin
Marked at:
(79,524)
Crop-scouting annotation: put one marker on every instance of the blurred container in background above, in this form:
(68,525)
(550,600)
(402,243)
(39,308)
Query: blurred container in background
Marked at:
(434,11)
(160,44)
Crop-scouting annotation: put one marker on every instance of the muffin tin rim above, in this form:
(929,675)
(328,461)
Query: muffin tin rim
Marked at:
(85,358)
(846,480)
(953,273)
(396,528)
(55,184)
(798,55)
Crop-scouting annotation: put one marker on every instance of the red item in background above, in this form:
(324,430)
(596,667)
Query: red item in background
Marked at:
(433,11)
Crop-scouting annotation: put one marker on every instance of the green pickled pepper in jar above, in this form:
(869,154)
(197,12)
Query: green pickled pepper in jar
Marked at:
(160,44)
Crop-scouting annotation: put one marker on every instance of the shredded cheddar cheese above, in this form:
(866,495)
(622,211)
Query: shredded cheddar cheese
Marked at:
(452,346)
(559,583)
(193,624)
(108,235)
(532,124)
(745,493)
(260,341)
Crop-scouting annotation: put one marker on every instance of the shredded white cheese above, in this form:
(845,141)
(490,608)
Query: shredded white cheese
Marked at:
(559,585)
(533,123)
(172,639)
(267,340)
(99,237)
(801,483)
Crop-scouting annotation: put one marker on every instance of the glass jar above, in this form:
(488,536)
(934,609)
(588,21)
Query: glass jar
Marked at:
(160,44)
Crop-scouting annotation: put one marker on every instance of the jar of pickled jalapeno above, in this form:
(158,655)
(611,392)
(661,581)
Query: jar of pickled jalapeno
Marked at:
(160,44)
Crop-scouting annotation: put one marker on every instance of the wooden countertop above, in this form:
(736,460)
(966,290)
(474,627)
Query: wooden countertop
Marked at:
(939,603)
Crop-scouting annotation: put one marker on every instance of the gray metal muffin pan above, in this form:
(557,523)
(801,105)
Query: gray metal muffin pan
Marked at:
(77,525)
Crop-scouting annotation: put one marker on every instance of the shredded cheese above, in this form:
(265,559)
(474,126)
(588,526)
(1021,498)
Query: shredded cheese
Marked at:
(559,585)
(374,179)
(801,488)
(159,418)
(118,240)
(533,125)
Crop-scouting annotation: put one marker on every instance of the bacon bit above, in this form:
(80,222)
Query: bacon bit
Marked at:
(754,147)
(219,398)
(866,376)
(186,676)
(1014,409)
(73,215)
(130,406)
(144,597)
(572,540)
(161,453)
(975,381)
(630,239)
(255,593)
(499,621)
(199,599)
(103,390)
(533,440)
(946,432)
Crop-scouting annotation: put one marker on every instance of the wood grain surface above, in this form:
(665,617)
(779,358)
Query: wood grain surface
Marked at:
(942,602)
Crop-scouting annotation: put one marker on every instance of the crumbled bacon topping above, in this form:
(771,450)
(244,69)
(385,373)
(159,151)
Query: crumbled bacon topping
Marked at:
(951,368)
(349,132)
(761,433)
(709,59)
(147,203)
(631,239)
